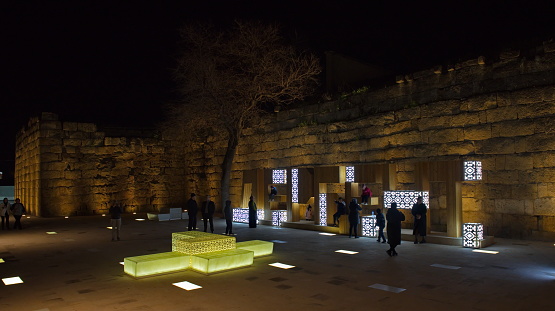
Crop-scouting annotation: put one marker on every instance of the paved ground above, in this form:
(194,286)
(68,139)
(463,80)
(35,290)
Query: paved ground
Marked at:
(78,269)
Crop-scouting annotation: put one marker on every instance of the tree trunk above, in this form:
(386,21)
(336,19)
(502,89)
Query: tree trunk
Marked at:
(226,167)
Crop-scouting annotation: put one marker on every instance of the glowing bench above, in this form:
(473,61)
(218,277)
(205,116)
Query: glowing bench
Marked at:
(196,242)
(260,248)
(221,260)
(155,263)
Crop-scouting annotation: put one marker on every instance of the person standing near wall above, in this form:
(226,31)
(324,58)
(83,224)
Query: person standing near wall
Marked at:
(354,217)
(228,215)
(192,210)
(115,214)
(252,213)
(419,211)
(394,218)
(207,210)
(380,223)
(17,211)
(366,193)
(340,211)
(273,193)
(5,208)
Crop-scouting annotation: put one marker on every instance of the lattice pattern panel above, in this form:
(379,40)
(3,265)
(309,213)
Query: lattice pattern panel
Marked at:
(279,176)
(472,170)
(405,199)
(369,228)
(295,185)
(242,215)
(278,216)
(350,174)
(323,207)
(473,233)
(195,242)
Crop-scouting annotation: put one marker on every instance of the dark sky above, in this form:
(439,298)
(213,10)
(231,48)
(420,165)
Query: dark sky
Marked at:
(111,61)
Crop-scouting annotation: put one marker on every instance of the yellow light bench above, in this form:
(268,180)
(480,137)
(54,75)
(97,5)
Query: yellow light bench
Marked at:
(195,242)
(221,260)
(260,248)
(156,263)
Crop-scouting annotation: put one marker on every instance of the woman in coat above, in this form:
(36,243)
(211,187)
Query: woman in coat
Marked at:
(228,215)
(252,213)
(353,217)
(394,218)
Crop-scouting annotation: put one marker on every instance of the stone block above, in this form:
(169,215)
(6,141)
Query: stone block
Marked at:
(70,126)
(504,145)
(471,205)
(513,128)
(71,142)
(502,114)
(544,206)
(445,135)
(87,127)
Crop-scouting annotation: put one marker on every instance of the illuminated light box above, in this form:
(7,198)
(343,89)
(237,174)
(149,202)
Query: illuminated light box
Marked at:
(281,265)
(323,206)
(473,234)
(405,199)
(155,263)
(278,216)
(484,251)
(350,174)
(140,219)
(369,228)
(472,170)
(279,176)
(260,248)
(134,213)
(122,263)
(342,251)
(103,215)
(196,242)
(325,233)
(187,285)
(51,232)
(221,260)
(66,217)
(2,260)
(109,228)
(12,281)
(294,185)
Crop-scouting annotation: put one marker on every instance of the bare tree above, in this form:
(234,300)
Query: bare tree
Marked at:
(227,78)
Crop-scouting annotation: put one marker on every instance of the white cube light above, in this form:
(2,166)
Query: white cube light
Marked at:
(278,216)
(279,176)
(473,234)
(472,170)
(323,206)
(369,228)
(350,174)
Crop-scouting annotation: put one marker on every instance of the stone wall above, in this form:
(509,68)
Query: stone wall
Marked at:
(83,168)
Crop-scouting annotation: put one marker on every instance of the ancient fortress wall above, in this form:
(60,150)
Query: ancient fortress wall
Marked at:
(68,168)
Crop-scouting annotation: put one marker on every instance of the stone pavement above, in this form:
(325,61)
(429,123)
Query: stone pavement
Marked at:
(78,269)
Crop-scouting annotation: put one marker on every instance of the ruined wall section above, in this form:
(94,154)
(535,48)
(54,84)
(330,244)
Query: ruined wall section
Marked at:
(83,169)
(27,173)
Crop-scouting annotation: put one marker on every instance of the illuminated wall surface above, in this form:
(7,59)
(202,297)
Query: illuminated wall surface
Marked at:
(350,174)
(472,170)
(294,185)
(278,217)
(242,215)
(199,251)
(323,209)
(473,233)
(369,228)
(405,199)
(279,176)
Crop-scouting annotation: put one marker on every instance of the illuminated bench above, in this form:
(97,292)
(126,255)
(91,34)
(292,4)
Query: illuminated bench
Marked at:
(155,263)
(260,248)
(196,242)
(221,260)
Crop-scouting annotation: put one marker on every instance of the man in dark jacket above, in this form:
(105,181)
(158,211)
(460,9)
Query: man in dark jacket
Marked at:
(419,212)
(394,218)
(207,210)
(192,210)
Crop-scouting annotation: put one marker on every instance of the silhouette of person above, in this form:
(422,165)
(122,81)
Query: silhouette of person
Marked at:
(419,211)
(228,215)
(380,223)
(394,218)
(192,210)
(252,213)
(5,208)
(115,214)
(340,211)
(208,208)
(354,217)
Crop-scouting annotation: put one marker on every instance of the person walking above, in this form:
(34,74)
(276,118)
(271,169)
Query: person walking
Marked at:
(5,208)
(394,218)
(115,214)
(354,217)
(419,211)
(252,213)
(340,211)
(192,210)
(228,215)
(380,223)
(17,211)
(207,210)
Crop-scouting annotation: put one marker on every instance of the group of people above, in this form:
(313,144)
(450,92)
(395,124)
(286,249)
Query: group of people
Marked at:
(17,210)
(208,207)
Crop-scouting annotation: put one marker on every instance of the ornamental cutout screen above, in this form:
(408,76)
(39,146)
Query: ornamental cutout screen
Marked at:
(473,233)
(369,228)
(405,199)
(294,185)
(350,174)
(278,217)
(323,209)
(472,170)
(242,215)
(279,176)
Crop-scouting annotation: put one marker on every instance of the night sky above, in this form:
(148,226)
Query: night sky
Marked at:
(111,61)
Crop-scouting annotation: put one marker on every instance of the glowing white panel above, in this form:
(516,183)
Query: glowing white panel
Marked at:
(405,199)
(437,265)
(473,233)
(350,174)
(484,251)
(279,176)
(295,185)
(281,265)
(187,285)
(122,263)
(369,228)
(278,216)
(323,209)
(66,217)
(387,288)
(109,228)
(103,215)
(325,233)
(472,170)
(346,252)
(52,232)
(140,219)
(11,281)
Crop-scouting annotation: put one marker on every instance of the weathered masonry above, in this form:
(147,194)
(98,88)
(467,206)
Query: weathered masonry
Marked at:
(414,135)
